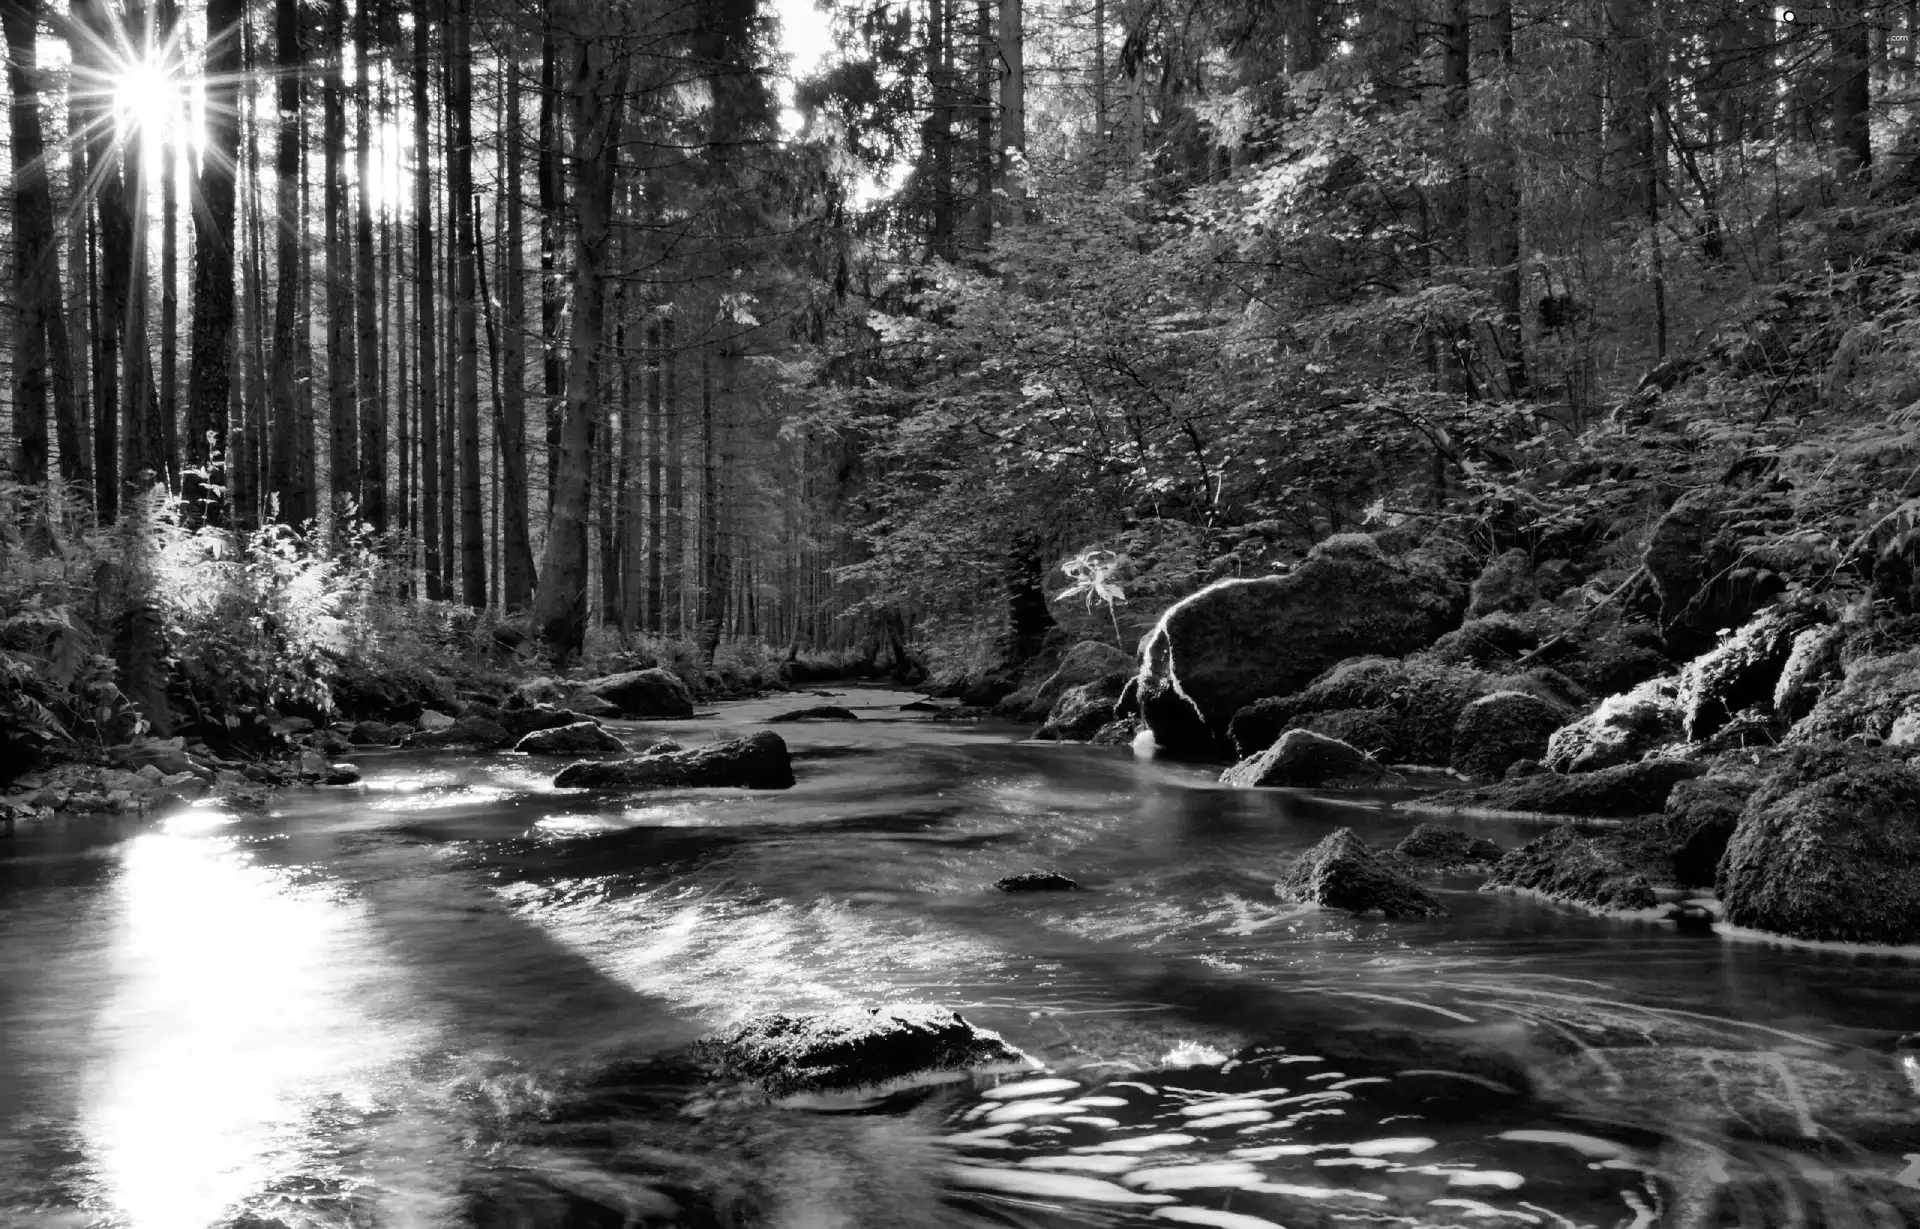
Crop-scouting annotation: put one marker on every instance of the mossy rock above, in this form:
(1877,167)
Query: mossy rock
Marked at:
(1082,711)
(1598,868)
(1434,849)
(1829,848)
(1499,730)
(1620,792)
(1341,872)
(1620,730)
(1742,671)
(1302,759)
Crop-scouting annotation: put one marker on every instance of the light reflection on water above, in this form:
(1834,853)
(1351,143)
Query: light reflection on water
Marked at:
(238,1005)
(359,1009)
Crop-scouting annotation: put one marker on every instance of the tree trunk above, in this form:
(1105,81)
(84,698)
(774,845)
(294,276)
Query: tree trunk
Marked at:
(553,201)
(36,269)
(210,354)
(517,578)
(286,169)
(1852,51)
(372,405)
(76,465)
(1013,109)
(427,413)
(1503,198)
(560,603)
(654,364)
(165,442)
(473,531)
(343,453)
(676,516)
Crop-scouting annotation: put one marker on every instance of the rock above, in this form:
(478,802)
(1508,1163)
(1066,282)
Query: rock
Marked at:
(593,706)
(1701,816)
(1523,768)
(1238,641)
(1490,640)
(1600,868)
(1118,733)
(643,693)
(340,774)
(1086,662)
(819,712)
(1624,728)
(327,742)
(921,706)
(483,732)
(291,727)
(1037,881)
(758,761)
(1505,584)
(1814,658)
(1305,760)
(1826,849)
(1499,730)
(854,1047)
(1875,694)
(1084,710)
(1619,792)
(184,785)
(1433,848)
(150,774)
(1409,708)
(314,765)
(579,738)
(520,722)
(373,734)
(535,692)
(1743,670)
(1694,560)
(1342,873)
(430,721)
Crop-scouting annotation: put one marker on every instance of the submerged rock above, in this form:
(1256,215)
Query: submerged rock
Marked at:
(1037,881)
(1305,760)
(580,738)
(1827,849)
(643,693)
(1434,849)
(819,712)
(1611,793)
(1600,868)
(854,1048)
(1237,641)
(1342,873)
(757,761)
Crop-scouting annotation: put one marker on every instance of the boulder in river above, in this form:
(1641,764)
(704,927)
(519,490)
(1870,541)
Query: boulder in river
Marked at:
(1827,849)
(818,712)
(1599,868)
(523,721)
(579,738)
(1434,849)
(1624,728)
(1342,873)
(643,693)
(757,761)
(854,1048)
(1499,730)
(374,734)
(1238,641)
(1083,711)
(1086,662)
(482,732)
(1037,881)
(1611,793)
(1701,816)
(1305,760)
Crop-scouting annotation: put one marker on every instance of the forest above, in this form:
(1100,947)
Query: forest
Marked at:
(603,325)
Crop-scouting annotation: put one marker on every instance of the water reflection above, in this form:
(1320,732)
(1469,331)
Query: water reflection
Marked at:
(239,1013)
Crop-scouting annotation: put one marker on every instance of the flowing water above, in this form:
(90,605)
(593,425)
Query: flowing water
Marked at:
(454,996)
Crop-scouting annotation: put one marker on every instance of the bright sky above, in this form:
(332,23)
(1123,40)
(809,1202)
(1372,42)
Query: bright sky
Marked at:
(807,38)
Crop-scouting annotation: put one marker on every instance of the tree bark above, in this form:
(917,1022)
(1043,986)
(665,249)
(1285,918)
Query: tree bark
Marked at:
(290,264)
(553,201)
(473,534)
(371,406)
(1852,52)
(36,269)
(343,457)
(211,351)
(594,94)
(424,257)
(517,578)
(1013,109)
(1503,198)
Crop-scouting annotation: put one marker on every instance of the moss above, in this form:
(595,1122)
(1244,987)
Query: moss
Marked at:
(1597,868)
(1433,848)
(1610,793)
(1342,873)
(1876,692)
(1622,729)
(1498,730)
(1700,819)
(1829,848)
(1743,670)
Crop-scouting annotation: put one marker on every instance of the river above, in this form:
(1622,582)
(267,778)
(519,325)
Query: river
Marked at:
(454,996)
